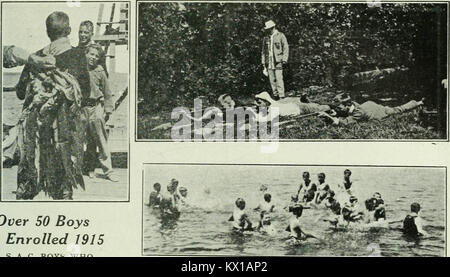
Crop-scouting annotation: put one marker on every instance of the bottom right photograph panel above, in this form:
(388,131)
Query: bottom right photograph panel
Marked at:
(293,210)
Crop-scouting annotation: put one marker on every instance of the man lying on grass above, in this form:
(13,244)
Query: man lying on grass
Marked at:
(348,111)
(289,106)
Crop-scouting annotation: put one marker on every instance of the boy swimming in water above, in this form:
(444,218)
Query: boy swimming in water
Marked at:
(310,194)
(240,218)
(294,201)
(169,203)
(347,184)
(351,211)
(265,224)
(412,224)
(174,182)
(333,204)
(183,195)
(266,205)
(155,196)
(294,227)
(303,187)
(323,189)
(375,207)
(335,207)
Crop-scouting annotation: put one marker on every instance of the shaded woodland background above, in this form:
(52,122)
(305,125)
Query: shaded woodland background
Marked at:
(205,49)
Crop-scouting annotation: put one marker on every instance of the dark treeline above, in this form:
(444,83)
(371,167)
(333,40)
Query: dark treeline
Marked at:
(200,49)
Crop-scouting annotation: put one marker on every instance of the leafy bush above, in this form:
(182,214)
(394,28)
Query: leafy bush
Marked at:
(205,49)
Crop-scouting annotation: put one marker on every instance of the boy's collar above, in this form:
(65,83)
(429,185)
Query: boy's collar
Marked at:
(58,46)
(87,44)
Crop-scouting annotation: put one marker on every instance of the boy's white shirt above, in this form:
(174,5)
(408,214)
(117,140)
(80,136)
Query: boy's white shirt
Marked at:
(237,215)
(293,223)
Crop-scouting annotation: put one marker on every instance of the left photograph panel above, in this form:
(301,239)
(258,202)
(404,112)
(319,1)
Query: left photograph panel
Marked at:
(65,108)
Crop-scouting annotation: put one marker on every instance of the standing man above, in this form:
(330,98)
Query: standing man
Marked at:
(275,53)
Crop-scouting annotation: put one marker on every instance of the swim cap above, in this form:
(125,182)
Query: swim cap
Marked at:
(347,171)
(322,175)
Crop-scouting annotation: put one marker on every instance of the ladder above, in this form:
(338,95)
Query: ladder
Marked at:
(115,32)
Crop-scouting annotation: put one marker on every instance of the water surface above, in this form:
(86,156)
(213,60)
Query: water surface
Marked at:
(205,230)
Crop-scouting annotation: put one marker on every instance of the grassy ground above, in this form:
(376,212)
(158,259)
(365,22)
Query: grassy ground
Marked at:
(404,126)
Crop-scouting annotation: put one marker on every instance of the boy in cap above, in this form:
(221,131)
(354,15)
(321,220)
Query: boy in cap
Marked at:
(275,53)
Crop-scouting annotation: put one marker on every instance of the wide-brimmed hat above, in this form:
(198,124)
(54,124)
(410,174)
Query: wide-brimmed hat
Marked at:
(264,96)
(269,24)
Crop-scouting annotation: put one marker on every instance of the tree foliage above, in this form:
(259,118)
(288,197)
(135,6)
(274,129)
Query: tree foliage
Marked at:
(205,49)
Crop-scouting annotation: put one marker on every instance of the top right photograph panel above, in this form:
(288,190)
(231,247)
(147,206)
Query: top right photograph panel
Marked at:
(291,71)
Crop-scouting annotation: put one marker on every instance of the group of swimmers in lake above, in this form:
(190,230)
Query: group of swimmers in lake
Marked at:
(311,195)
(170,202)
(344,209)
